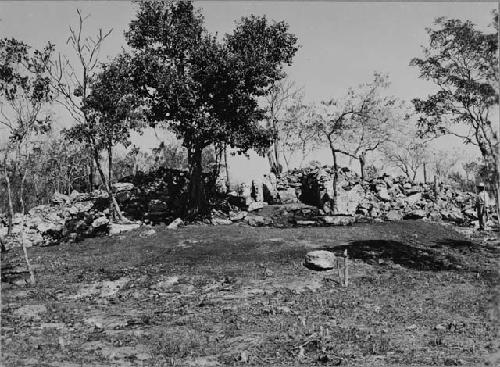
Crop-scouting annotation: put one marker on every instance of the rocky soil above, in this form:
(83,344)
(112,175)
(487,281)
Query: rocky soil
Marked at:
(419,293)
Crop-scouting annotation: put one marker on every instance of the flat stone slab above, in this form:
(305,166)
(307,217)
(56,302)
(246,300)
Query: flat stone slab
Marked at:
(338,220)
(305,223)
(117,228)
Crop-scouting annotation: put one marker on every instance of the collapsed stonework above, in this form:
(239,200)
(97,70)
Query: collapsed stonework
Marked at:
(302,197)
(377,199)
(383,198)
(67,218)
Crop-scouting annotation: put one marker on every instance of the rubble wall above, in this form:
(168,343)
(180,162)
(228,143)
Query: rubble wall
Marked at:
(160,197)
(384,198)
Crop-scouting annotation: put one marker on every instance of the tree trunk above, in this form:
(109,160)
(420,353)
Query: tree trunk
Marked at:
(226,166)
(23,244)
(425,172)
(287,162)
(272,162)
(335,177)
(496,163)
(218,151)
(35,187)
(11,207)
(497,197)
(414,176)
(436,191)
(107,186)
(497,193)
(335,180)
(9,194)
(91,175)
(279,166)
(197,204)
(101,172)
(110,178)
(136,166)
(362,160)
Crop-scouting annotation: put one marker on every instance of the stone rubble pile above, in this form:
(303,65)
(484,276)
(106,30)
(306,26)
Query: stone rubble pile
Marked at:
(299,198)
(378,199)
(386,197)
(155,197)
(66,218)
(158,196)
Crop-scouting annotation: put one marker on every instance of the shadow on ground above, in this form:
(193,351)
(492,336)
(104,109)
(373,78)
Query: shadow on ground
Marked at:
(449,242)
(466,247)
(383,251)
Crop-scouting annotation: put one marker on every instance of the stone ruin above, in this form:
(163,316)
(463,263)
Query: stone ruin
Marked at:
(67,218)
(384,198)
(302,197)
(381,198)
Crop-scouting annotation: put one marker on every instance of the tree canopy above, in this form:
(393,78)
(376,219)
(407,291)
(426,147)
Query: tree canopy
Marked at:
(111,106)
(24,92)
(463,62)
(349,125)
(206,89)
(24,89)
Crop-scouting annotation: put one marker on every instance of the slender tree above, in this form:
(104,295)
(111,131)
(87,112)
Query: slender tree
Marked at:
(278,103)
(471,169)
(409,156)
(463,62)
(111,112)
(367,133)
(72,80)
(296,139)
(442,162)
(337,117)
(24,94)
(406,150)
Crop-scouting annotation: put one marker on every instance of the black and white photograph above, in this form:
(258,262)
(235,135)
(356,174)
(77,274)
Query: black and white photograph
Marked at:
(249,183)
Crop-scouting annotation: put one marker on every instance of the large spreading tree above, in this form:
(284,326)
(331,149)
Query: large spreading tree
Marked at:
(204,87)
(463,62)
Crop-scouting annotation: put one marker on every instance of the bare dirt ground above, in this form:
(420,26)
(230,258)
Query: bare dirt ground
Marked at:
(420,294)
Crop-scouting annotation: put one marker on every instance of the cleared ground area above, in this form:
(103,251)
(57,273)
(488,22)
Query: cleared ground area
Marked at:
(419,294)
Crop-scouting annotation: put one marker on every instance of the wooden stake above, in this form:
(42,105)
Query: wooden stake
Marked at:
(23,244)
(346,269)
(339,270)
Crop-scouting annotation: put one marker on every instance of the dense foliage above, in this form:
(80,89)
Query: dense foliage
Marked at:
(463,62)
(204,88)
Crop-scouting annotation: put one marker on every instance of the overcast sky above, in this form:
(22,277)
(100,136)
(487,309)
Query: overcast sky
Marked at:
(341,43)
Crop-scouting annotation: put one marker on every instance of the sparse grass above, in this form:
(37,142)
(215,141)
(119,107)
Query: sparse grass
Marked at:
(420,294)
